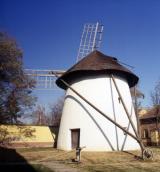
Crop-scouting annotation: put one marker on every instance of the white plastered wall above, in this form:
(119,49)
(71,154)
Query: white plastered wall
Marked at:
(96,132)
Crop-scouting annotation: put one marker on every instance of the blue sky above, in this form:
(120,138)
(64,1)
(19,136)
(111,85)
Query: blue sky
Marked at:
(49,33)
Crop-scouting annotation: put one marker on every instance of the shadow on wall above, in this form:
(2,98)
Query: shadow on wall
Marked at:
(11,133)
(54,130)
(10,160)
(108,142)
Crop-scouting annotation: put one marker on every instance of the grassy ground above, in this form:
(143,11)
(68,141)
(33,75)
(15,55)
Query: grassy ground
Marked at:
(94,161)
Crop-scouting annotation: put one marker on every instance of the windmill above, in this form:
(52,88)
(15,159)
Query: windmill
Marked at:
(110,77)
(98,111)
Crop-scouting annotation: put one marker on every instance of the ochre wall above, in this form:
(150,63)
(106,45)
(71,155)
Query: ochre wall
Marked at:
(26,136)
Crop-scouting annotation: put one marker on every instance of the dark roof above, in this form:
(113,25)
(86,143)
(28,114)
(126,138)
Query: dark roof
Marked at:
(152,113)
(97,63)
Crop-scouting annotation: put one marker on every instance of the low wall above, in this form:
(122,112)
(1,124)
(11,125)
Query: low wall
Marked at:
(26,136)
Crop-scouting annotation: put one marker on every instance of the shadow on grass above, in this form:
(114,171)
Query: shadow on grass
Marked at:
(10,160)
(134,155)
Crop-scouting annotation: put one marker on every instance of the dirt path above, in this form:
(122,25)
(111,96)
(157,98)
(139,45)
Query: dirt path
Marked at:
(59,167)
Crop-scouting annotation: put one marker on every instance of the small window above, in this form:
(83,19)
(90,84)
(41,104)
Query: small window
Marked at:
(145,133)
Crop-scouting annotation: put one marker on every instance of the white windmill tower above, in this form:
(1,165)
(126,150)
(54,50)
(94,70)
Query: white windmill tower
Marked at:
(81,125)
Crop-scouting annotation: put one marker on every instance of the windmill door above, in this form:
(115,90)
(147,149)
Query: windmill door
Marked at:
(75,138)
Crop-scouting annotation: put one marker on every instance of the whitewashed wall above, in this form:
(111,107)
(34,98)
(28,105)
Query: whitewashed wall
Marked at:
(96,132)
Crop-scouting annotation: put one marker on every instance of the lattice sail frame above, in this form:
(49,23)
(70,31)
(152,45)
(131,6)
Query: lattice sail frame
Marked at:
(90,40)
(45,79)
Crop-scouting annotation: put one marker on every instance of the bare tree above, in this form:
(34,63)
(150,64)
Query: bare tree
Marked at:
(39,116)
(136,95)
(155,94)
(155,98)
(56,112)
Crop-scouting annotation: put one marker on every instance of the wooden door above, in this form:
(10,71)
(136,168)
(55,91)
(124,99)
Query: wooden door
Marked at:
(75,138)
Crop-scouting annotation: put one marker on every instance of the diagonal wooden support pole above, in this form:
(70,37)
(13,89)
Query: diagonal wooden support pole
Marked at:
(127,130)
(127,113)
(124,106)
(98,110)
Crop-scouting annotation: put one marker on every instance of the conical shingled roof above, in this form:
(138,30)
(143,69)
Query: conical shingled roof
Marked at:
(95,64)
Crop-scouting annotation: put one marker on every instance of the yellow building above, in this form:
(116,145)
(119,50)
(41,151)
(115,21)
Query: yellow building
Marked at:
(26,136)
(150,126)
